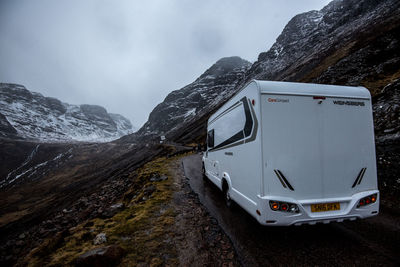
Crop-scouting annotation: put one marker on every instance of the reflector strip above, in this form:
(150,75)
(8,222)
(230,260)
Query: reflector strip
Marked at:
(359,177)
(280,179)
(362,175)
(286,181)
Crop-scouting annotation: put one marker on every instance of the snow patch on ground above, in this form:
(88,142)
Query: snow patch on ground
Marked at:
(190,112)
(19,173)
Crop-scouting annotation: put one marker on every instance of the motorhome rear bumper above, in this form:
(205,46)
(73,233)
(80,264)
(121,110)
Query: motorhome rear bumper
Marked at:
(348,210)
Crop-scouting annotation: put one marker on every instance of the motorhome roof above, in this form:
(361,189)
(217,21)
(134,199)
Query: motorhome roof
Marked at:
(291,88)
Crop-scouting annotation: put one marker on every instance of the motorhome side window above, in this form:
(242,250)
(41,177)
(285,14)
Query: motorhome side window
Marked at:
(229,124)
(210,138)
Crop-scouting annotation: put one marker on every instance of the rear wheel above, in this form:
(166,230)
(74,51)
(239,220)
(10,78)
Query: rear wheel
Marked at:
(228,200)
(227,194)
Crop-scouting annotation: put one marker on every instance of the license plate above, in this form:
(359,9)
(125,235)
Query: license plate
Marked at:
(325,207)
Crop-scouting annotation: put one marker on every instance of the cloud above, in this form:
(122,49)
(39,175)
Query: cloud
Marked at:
(128,55)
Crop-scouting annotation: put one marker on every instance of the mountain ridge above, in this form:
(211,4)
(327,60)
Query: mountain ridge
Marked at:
(47,119)
(315,46)
(179,107)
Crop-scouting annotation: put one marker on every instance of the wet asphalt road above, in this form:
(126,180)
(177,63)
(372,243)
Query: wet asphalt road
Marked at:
(332,244)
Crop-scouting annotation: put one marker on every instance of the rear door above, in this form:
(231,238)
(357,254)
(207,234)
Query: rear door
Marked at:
(315,148)
(290,132)
(348,147)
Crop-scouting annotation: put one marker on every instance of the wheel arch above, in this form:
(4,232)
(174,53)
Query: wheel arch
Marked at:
(225,182)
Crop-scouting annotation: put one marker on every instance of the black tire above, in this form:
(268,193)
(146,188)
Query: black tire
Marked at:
(227,198)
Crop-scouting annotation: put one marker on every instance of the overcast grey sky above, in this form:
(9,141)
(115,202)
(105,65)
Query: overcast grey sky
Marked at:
(128,55)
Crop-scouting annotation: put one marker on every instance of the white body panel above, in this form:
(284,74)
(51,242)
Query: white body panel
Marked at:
(320,137)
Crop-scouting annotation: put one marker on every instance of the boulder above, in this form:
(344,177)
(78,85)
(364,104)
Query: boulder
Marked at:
(104,256)
(100,239)
(157,178)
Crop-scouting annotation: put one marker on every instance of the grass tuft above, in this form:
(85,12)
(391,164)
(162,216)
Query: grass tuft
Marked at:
(143,229)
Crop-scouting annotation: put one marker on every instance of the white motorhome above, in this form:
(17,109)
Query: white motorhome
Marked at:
(295,153)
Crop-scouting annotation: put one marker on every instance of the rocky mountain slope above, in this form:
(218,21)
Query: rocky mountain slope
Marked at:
(348,42)
(211,89)
(6,129)
(32,116)
(60,185)
(387,113)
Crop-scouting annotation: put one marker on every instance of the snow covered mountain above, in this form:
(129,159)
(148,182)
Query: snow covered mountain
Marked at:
(211,89)
(32,116)
(348,42)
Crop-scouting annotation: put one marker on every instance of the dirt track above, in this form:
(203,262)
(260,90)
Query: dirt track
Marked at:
(374,241)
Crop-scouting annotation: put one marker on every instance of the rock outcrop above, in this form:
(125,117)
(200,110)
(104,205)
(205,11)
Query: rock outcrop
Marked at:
(104,256)
(6,129)
(387,113)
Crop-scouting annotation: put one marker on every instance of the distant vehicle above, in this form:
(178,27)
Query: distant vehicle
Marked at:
(162,139)
(294,153)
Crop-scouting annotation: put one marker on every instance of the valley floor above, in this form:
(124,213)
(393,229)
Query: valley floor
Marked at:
(158,221)
(165,214)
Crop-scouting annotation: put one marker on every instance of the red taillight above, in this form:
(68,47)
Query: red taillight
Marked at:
(283,206)
(367,200)
(253,102)
(319,97)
